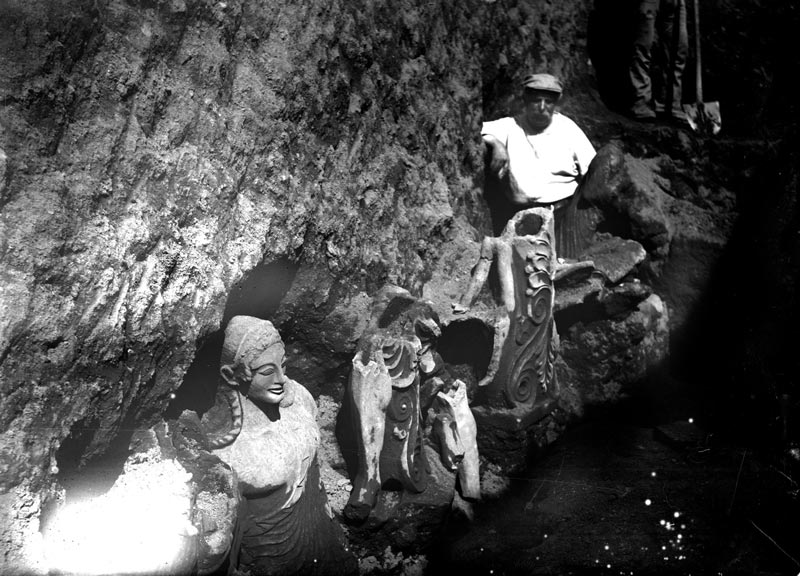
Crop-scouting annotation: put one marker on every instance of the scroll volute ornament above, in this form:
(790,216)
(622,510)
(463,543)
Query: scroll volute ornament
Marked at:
(397,377)
(385,405)
(384,397)
(520,372)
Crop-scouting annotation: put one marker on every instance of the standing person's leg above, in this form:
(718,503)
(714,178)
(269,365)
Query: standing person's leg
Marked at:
(669,60)
(680,53)
(662,57)
(639,70)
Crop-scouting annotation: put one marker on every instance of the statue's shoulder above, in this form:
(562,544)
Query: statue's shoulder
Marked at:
(301,397)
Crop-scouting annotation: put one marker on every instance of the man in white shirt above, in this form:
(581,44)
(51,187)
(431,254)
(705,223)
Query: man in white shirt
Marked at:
(543,154)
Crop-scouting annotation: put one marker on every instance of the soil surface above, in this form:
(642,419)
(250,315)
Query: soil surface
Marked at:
(620,496)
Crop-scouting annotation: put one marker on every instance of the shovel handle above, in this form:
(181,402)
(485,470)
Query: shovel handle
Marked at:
(698,62)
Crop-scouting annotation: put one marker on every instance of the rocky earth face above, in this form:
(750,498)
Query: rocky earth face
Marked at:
(158,153)
(165,165)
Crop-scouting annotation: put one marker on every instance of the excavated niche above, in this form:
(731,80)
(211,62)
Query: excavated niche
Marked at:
(80,478)
(86,477)
(82,475)
(529,224)
(466,348)
(259,294)
(261,290)
(101,470)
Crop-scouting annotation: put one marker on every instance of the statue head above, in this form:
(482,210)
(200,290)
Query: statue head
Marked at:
(253,360)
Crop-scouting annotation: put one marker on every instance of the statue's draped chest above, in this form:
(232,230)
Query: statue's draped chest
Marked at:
(270,454)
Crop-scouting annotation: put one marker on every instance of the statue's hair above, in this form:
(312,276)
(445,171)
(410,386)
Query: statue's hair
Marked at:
(234,402)
(243,335)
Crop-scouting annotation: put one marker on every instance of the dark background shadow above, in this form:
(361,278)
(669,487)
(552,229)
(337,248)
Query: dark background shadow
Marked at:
(610,38)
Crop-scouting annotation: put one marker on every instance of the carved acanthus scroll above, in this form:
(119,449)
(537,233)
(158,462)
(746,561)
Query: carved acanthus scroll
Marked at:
(398,379)
(520,372)
(386,408)
(402,458)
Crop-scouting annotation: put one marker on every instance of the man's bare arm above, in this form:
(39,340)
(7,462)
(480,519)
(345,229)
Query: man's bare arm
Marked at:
(498,163)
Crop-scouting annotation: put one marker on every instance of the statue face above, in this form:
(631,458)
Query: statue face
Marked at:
(267,384)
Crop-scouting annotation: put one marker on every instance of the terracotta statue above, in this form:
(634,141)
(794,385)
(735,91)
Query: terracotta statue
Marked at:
(397,378)
(455,427)
(286,526)
(446,406)
(520,373)
(384,395)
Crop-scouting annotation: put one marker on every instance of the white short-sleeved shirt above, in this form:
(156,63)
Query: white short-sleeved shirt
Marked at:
(546,166)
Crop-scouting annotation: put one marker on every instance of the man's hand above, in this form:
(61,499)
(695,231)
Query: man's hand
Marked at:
(499,161)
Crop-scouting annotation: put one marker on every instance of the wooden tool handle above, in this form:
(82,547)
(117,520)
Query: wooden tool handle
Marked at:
(698,63)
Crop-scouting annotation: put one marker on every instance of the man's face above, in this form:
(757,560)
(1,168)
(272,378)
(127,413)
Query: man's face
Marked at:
(539,107)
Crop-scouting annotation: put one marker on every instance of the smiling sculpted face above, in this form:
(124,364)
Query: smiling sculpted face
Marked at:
(254,360)
(272,445)
(268,380)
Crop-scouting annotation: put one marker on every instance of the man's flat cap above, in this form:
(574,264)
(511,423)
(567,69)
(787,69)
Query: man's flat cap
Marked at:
(545,82)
